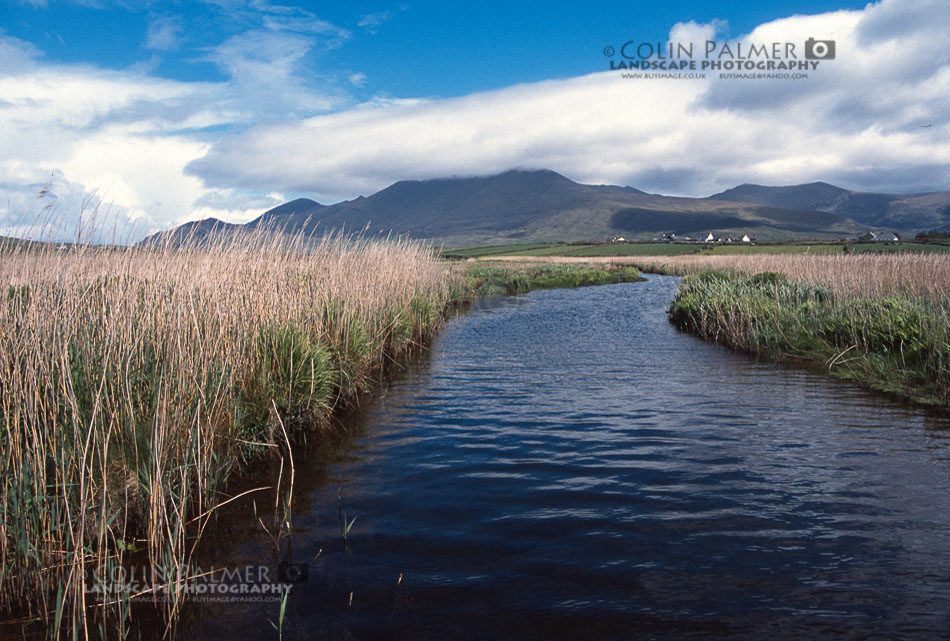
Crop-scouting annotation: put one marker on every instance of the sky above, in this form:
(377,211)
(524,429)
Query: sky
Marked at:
(133,116)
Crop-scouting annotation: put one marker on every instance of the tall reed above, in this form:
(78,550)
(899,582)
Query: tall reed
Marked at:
(134,380)
(894,336)
(904,274)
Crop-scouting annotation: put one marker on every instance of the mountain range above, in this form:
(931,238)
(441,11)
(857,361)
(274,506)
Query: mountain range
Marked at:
(522,205)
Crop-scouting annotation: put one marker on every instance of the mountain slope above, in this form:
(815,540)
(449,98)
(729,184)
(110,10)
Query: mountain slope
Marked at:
(813,196)
(195,231)
(544,205)
(904,212)
(448,206)
(298,207)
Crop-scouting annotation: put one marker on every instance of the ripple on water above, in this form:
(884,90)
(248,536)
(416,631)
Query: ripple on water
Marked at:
(567,465)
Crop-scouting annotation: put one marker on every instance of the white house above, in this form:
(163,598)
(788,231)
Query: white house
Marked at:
(710,238)
(879,237)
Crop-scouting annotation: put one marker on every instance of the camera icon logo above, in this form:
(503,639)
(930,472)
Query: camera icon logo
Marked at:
(819,49)
(293,572)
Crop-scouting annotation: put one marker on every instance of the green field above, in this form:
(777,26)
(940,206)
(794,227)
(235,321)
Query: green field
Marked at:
(669,249)
(495,250)
(481,279)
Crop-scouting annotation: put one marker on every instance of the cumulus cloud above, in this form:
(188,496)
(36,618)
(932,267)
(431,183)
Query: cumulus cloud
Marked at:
(106,131)
(110,142)
(57,209)
(116,142)
(858,120)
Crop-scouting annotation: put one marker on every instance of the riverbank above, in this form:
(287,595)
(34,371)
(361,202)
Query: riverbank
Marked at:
(518,277)
(139,381)
(883,321)
(922,244)
(579,434)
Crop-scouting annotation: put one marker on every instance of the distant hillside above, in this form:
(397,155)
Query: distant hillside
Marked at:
(194,231)
(902,212)
(287,209)
(813,196)
(11,243)
(544,205)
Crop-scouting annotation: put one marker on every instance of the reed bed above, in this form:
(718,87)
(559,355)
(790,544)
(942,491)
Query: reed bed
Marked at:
(912,274)
(883,320)
(134,381)
(903,274)
(516,277)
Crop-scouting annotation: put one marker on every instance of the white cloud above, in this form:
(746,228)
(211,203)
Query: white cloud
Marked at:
(115,142)
(373,21)
(274,17)
(265,67)
(48,206)
(118,142)
(268,63)
(16,56)
(234,206)
(152,150)
(697,33)
(42,4)
(856,120)
(164,33)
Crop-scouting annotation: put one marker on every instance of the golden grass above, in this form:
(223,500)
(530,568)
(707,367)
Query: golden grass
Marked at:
(133,380)
(909,274)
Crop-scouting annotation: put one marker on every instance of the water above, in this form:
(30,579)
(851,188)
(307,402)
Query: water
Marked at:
(567,465)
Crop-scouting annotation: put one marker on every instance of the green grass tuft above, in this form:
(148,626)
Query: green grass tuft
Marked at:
(899,344)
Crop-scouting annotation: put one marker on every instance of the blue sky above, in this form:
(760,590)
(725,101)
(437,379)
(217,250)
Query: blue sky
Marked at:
(404,49)
(164,111)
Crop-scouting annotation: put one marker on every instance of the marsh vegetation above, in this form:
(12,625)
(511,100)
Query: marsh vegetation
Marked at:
(881,319)
(134,382)
(518,277)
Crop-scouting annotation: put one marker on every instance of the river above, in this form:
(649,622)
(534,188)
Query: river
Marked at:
(567,465)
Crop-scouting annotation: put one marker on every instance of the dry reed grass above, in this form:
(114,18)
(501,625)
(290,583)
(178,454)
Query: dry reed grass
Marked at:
(909,274)
(133,380)
(903,274)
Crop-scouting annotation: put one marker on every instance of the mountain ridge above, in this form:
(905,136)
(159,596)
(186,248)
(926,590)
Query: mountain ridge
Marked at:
(899,212)
(520,205)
